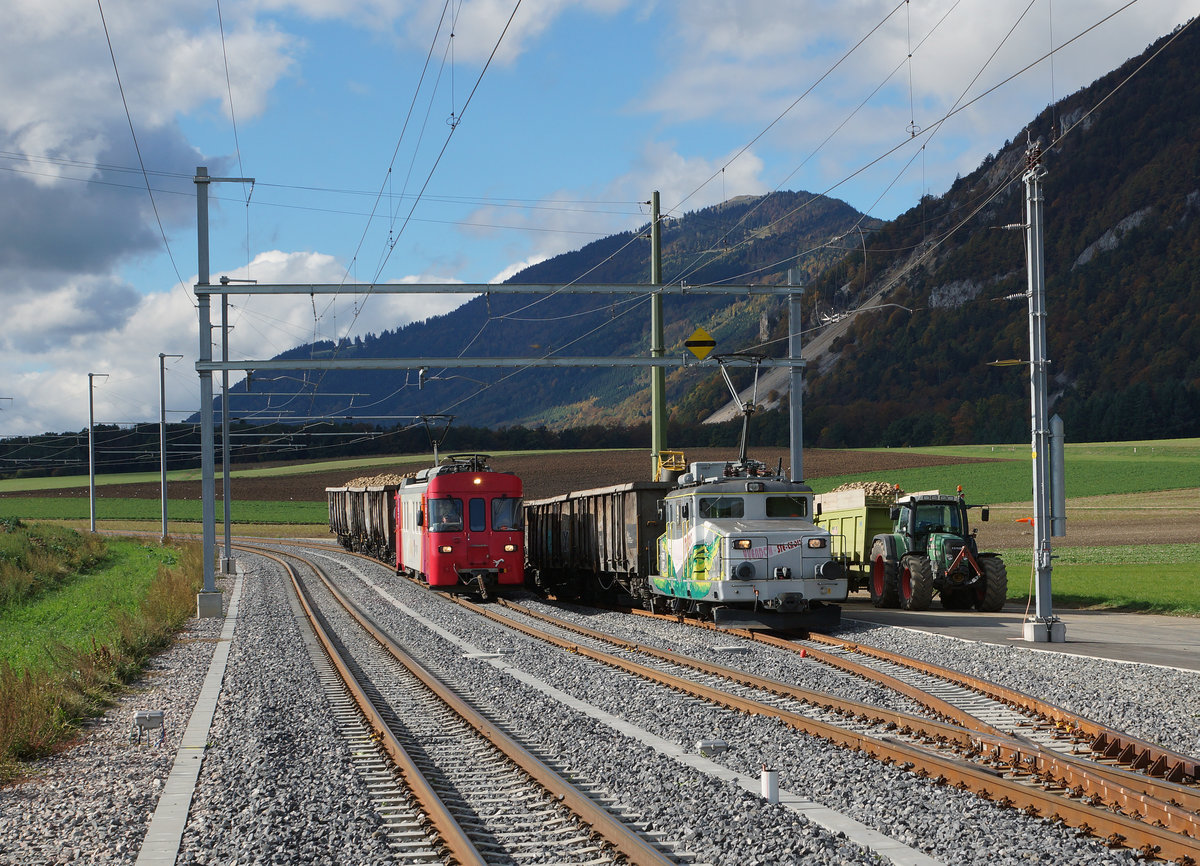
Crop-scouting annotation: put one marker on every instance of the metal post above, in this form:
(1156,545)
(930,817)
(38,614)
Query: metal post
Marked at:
(796,386)
(227,566)
(658,376)
(208,602)
(92,452)
(1043,626)
(162,434)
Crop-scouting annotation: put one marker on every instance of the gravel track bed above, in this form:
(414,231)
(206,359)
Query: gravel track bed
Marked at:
(952,826)
(719,822)
(277,786)
(93,802)
(1158,704)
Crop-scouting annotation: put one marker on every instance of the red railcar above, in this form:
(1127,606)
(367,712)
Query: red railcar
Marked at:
(459,524)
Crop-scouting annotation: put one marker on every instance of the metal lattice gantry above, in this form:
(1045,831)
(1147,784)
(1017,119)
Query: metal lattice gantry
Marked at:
(209,600)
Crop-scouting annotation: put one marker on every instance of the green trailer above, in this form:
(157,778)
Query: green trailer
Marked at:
(908,547)
(853,518)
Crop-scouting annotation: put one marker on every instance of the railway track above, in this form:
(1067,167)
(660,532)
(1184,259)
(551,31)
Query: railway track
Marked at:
(470,793)
(976,743)
(1034,763)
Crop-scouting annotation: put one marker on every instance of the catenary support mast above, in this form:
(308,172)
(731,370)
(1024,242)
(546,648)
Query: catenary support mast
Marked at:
(1044,626)
(208,602)
(796,385)
(658,376)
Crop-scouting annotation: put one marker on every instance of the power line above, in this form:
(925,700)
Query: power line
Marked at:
(129,118)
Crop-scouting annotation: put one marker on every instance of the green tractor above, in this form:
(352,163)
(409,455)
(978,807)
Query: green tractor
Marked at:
(931,550)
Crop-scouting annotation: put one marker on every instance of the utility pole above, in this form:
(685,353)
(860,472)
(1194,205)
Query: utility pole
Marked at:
(92,450)
(162,435)
(658,376)
(1044,626)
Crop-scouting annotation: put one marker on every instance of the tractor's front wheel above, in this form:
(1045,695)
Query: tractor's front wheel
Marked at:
(993,589)
(916,582)
(883,583)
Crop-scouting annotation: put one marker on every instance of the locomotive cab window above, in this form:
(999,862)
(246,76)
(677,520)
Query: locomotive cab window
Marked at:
(477,510)
(722,506)
(445,515)
(787,506)
(506,513)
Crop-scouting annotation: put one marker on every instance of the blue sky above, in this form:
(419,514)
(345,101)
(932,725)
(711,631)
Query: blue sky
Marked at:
(584,109)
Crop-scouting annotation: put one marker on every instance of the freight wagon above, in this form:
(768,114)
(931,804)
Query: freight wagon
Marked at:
(362,518)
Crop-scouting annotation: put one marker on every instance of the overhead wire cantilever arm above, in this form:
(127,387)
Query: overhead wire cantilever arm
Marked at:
(746,408)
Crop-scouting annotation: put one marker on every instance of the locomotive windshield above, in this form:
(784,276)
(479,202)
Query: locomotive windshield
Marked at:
(722,506)
(787,506)
(506,513)
(445,515)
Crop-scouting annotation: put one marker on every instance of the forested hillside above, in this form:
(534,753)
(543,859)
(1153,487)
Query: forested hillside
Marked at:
(1122,252)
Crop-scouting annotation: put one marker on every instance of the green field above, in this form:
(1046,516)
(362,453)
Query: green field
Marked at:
(1153,578)
(1143,576)
(243,511)
(1089,469)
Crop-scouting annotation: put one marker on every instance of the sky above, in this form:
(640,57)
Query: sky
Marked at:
(453,142)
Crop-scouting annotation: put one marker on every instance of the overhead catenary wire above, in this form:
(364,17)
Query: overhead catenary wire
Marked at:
(958,107)
(137,149)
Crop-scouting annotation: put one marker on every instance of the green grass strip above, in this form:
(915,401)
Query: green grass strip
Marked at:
(1152,578)
(84,609)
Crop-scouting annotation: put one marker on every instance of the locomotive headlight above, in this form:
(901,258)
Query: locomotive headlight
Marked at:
(510,548)
(476,480)
(816,543)
(741,544)
(445,548)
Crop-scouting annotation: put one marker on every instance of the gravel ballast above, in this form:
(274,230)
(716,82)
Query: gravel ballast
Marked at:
(277,785)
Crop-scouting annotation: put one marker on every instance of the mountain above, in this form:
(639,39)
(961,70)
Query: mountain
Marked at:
(749,240)
(916,307)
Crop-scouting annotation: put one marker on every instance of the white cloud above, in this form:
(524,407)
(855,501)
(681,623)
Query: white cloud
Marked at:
(516,267)
(82,333)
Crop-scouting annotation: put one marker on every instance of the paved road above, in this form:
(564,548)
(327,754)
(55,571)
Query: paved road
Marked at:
(1160,640)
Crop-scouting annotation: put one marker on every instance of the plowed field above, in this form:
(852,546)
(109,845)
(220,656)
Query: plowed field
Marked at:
(542,474)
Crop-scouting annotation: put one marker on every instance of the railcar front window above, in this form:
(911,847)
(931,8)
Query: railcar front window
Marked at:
(506,513)
(787,506)
(722,506)
(445,515)
(478,514)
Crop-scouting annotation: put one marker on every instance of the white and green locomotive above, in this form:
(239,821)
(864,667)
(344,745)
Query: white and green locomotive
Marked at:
(739,546)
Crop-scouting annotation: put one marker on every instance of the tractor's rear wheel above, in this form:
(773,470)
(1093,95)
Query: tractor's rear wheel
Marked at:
(993,589)
(916,582)
(883,584)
